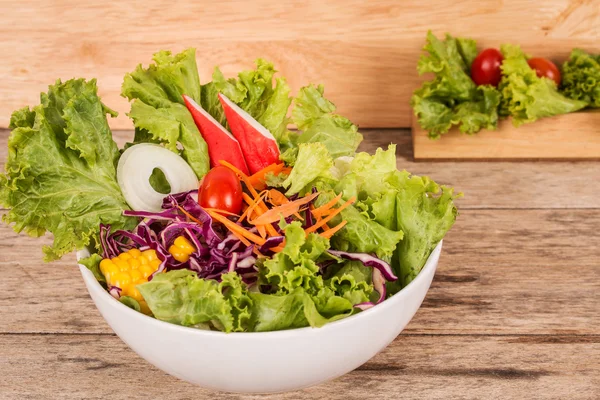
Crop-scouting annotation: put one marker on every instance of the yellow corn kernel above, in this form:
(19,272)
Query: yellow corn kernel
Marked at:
(129,269)
(136,294)
(136,275)
(154,264)
(146,270)
(178,254)
(125,256)
(184,244)
(135,253)
(122,265)
(181,249)
(150,254)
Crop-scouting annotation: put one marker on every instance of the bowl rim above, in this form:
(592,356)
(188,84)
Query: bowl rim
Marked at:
(88,276)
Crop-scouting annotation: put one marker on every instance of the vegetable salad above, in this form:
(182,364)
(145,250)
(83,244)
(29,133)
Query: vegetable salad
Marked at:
(216,215)
(473,91)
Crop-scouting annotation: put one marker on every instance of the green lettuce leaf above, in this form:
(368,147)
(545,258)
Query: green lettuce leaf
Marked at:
(93,264)
(313,161)
(314,115)
(527,97)
(581,77)
(298,294)
(452,98)
(361,233)
(425,211)
(158,110)
(180,297)
(60,173)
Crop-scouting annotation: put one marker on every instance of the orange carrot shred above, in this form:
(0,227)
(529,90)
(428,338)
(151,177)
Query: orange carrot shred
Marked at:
(258,179)
(318,212)
(190,216)
(332,231)
(242,176)
(285,210)
(330,217)
(277,249)
(222,212)
(234,228)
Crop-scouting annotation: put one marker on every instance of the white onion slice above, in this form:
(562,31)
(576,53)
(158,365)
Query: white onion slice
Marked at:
(135,167)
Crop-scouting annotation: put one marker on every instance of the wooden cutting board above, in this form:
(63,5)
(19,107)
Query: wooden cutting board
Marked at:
(364,52)
(570,137)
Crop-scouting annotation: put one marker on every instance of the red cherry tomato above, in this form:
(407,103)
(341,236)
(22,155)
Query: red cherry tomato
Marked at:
(221,189)
(545,68)
(485,69)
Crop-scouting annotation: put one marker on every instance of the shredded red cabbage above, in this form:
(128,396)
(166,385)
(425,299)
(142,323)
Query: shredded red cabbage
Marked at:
(368,261)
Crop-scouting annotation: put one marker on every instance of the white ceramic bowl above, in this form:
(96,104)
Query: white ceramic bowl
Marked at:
(263,362)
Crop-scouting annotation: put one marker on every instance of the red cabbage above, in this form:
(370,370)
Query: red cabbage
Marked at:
(368,261)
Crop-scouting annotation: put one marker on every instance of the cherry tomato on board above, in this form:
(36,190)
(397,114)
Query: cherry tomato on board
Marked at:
(545,68)
(485,69)
(221,189)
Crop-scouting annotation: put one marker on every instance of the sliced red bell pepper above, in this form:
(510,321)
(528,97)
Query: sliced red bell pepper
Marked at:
(221,144)
(258,144)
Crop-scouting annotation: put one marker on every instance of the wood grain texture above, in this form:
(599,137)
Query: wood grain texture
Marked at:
(412,367)
(570,136)
(364,52)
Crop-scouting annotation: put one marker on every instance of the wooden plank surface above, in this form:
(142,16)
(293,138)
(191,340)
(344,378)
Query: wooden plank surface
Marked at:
(570,136)
(412,367)
(364,52)
(512,311)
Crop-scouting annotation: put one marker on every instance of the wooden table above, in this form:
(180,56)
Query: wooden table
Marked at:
(513,312)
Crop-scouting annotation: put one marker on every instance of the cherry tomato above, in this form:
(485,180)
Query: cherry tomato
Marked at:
(221,189)
(485,69)
(545,68)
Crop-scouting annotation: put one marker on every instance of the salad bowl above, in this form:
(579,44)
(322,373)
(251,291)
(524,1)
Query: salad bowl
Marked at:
(265,362)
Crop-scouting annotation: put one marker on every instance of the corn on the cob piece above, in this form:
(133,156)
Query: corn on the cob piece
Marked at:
(129,269)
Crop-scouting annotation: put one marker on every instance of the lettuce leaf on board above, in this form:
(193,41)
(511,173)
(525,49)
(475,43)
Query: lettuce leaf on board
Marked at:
(527,97)
(581,77)
(61,169)
(158,111)
(452,98)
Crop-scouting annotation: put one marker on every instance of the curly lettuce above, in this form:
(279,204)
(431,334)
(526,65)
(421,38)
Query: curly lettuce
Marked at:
(581,77)
(61,169)
(158,110)
(527,97)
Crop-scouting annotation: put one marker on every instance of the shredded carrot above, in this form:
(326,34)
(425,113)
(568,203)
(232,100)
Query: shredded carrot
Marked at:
(277,249)
(234,228)
(262,231)
(277,198)
(330,217)
(286,170)
(255,208)
(222,212)
(241,238)
(332,231)
(319,212)
(242,176)
(190,216)
(285,210)
(258,179)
